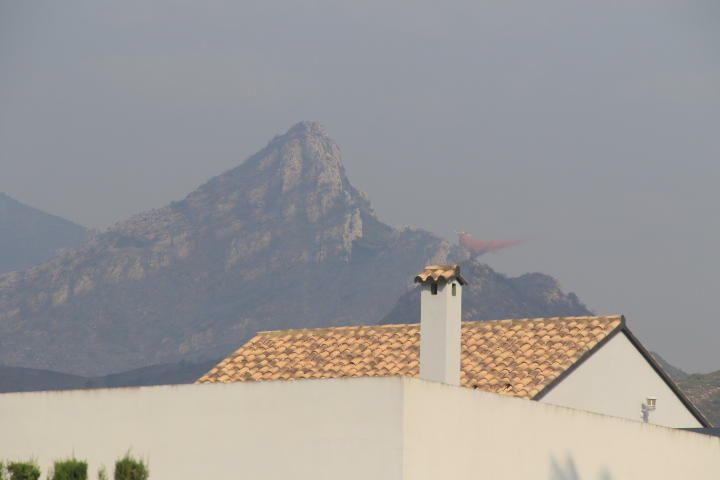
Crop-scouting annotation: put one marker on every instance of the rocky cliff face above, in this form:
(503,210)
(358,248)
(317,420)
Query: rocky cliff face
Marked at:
(29,236)
(284,240)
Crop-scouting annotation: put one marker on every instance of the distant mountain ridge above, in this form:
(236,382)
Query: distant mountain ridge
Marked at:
(18,379)
(674,372)
(29,236)
(703,389)
(281,241)
(492,296)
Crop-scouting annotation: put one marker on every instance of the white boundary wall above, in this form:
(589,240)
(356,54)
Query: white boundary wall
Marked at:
(271,430)
(462,434)
(362,428)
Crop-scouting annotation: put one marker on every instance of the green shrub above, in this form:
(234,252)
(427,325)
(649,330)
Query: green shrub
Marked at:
(102,474)
(2,471)
(128,468)
(69,469)
(23,471)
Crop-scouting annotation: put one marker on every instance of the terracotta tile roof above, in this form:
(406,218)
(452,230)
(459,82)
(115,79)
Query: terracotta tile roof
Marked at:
(434,273)
(512,357)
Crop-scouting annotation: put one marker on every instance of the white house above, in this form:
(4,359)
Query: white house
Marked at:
(360,415)
(380,428)
(587,363)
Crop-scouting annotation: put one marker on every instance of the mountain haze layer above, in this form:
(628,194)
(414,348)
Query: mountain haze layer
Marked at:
(281,241)
(29,236)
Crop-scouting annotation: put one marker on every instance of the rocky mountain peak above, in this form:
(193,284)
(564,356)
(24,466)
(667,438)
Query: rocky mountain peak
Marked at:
(281,241)
(305,159)
(197,276)
(308,128)
(292,198)
(298,174)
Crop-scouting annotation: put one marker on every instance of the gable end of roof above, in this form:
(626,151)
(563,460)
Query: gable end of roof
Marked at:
(666,378)
(622,327)
(580,360)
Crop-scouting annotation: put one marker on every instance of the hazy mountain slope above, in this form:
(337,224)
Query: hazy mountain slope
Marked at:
(29,236)
(490,295)
(18,379)
(704,391)
(281,241)
(674,372)
(166,374)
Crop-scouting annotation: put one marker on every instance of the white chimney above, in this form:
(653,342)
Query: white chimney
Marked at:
(440,322)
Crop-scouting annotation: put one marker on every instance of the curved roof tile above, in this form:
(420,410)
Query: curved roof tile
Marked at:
(512,357)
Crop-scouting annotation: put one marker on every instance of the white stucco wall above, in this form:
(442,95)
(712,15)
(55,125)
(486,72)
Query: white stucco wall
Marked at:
(616,380)
(330,429)
(462,434)
(361,428)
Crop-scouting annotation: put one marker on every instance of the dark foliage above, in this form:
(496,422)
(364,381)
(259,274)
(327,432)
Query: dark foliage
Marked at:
(23,471)
(129,468)
(70,469)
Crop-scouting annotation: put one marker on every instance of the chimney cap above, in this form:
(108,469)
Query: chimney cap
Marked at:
(436,273)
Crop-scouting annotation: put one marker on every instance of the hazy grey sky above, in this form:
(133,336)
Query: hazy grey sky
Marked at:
(591,128)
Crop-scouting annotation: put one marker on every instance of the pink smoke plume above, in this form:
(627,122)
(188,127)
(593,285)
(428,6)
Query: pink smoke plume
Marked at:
(481,247)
